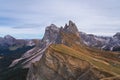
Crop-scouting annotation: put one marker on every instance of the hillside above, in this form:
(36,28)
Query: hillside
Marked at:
(62,59)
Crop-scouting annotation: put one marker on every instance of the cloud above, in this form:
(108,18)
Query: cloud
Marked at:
(27,26)
(89,15)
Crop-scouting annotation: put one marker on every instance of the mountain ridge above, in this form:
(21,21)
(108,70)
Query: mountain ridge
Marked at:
(61,55)
(72,41)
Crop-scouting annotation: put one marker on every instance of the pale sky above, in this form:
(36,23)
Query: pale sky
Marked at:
(28,18)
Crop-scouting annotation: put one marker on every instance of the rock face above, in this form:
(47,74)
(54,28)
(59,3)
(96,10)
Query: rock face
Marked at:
(71,27)
(57,66)
(51,33)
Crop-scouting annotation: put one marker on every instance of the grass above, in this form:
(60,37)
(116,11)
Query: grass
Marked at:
(96,62)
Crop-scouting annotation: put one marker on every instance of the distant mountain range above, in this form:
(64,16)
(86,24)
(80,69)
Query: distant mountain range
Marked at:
(9,42)
(66,54)
(101,42)
(11,49)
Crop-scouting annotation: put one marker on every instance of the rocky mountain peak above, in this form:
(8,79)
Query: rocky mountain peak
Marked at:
(117,35)
(9,37)
(9,40)
(52,27)
(71,27)
(51,33)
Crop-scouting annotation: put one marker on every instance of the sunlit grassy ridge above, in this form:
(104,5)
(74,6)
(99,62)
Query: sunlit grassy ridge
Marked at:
(74,42)
(96,62)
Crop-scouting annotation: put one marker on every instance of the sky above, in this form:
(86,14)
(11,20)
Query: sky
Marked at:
(28,18)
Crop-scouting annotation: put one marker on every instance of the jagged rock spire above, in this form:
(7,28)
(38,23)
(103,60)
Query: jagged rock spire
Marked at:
(52,31)
(71,27)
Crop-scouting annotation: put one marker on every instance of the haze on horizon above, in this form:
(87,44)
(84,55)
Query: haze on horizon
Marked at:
(28,18)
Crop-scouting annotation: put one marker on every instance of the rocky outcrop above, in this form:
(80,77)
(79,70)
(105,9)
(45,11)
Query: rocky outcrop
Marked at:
(50,36)
(71,27)
(51,33)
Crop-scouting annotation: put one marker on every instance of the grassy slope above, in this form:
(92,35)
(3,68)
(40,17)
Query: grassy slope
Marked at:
(71,41)
(99,63)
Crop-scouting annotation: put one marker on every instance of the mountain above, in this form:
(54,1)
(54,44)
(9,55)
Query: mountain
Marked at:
(117,35)
(100,42)
(62,55)
(69,59)
(11,49)
(9,42)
